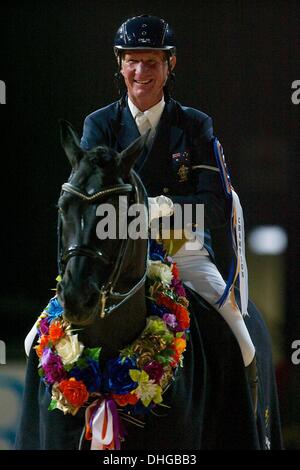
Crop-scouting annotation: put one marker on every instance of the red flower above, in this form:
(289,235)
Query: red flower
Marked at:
(165,301)
(175,359)
(182,316)
(74,391)
(175,271)
(127,399)
(178,347)
(181,313)
(56,331)
(43,343)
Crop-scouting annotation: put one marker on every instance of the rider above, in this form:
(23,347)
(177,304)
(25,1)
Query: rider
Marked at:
(182,162)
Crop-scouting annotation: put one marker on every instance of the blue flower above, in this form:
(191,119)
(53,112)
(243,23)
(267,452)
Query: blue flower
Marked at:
(54,309)
(90,375)
(116,375)
(157,252)
(158,310)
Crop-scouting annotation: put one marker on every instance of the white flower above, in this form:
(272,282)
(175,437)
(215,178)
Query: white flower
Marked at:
(159,270)
(69,349)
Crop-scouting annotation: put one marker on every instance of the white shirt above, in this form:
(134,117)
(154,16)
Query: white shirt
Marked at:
(152,114)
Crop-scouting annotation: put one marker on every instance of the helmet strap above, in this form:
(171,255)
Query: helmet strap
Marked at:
(170,83)
(118,77)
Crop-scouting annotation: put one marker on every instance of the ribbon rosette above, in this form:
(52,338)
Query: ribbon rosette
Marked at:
(103,426)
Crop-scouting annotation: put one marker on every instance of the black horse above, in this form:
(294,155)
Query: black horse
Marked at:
(210,404)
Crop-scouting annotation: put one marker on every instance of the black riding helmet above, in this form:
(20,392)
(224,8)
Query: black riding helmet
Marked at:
(145,32)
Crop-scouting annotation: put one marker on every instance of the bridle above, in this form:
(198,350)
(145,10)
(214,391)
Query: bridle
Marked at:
(106,291)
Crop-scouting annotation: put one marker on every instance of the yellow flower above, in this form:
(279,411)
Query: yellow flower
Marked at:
(146,390)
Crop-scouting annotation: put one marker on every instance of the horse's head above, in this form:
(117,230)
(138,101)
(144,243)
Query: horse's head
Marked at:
(90,265)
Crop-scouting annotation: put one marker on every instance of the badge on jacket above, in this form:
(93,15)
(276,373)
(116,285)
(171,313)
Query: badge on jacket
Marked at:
(181,166)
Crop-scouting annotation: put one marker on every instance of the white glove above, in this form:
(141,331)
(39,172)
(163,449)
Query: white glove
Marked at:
(160,206)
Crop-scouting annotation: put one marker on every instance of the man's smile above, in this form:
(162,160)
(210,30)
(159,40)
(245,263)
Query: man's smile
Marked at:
(143,82)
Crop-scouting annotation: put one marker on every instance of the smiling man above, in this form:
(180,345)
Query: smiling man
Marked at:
(145,74)
(179,165)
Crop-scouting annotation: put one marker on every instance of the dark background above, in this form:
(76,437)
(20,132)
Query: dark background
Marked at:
(236,62)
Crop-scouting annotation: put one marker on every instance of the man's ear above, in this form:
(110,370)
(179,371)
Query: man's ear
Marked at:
(70,142)
(173,61)
(129,156)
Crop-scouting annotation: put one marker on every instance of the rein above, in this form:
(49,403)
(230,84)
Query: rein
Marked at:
(107,290)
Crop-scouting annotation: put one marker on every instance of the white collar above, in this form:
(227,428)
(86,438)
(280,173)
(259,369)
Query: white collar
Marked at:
(153,114)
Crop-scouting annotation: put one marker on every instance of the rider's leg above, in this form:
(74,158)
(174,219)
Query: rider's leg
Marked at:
(202,275)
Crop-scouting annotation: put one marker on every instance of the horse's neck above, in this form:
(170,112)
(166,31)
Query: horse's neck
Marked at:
(118,329)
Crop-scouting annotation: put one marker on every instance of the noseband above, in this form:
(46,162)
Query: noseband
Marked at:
(107,291)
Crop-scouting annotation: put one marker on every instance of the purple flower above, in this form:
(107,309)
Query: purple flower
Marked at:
(170,320)
(44,327)
(155,371)
(53,367)
(178,287)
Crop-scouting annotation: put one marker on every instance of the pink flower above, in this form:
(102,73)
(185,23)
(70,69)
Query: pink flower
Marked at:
(178,287)
(170,320)
(155,371)
(53,367)
(44,326)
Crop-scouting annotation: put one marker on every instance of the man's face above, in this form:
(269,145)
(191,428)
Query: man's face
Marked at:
(145,74)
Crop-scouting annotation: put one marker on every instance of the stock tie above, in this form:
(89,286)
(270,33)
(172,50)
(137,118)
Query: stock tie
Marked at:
(142,123)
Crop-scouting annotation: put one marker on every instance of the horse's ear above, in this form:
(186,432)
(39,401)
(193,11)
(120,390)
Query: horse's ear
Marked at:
(129,155)
(70,142)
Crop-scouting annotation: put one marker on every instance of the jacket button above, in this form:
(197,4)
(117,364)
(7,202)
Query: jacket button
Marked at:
(166,190)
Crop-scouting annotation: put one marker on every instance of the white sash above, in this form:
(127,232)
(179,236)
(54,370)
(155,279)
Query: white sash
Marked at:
(240,251)
(29,339)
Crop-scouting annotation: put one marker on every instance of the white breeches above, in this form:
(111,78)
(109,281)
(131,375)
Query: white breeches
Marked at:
(199,273)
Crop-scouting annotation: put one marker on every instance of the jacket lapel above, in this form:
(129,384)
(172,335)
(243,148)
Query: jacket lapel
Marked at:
(125,128)
(167,139)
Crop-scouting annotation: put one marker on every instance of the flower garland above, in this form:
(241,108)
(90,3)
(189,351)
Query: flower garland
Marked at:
(132,383)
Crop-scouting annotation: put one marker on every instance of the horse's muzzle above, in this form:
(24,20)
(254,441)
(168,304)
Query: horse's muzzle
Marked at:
(80,305)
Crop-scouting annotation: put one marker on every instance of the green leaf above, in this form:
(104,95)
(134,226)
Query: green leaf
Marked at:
(126,352)
(179,334)
(163,360)
(53,405)
(81,363)
(92,353)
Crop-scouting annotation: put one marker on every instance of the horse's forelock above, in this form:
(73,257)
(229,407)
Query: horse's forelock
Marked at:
(103,157)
